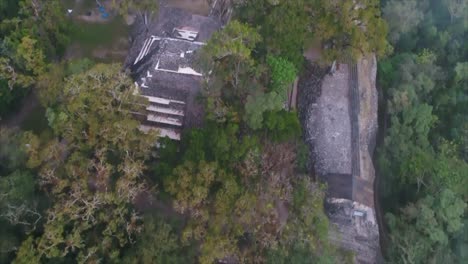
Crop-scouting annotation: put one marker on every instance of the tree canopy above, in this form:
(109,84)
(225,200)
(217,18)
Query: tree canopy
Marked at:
(422,161)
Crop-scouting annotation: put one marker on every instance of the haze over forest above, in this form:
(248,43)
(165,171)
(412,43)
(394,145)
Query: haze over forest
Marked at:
(178,131)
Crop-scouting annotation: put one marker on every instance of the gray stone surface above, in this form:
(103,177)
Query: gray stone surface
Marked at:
(326,111)
(328,125)
(157,71)
(353,227)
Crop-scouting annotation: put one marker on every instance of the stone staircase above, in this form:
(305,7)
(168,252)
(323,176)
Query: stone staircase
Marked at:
(164,115)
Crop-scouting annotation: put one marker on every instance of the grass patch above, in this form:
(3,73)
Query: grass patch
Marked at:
(91,35)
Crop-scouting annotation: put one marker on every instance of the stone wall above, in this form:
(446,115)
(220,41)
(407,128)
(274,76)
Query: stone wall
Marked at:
(344,100)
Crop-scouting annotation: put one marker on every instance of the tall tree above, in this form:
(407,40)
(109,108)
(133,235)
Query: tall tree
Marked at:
(95,172)
(349,27)
(456,8)
(34,32)
(402,17)
(230,69)
(423,231)
(229,55)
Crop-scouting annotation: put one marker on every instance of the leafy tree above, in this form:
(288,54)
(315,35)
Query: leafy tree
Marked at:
(306,231)
(423,175)
(287,38)
(402,17)
(456,8)
(95,173)
(17,193)
(349,27)
(282,125)
(461,242)
(283,73)
(34,33)
(27,253)
(158,243)
(232,204)
(191,186)
(31,58)
(407,151)
(220,142)
(228,55)
(257,105)
(410,80)
(423,230)
(45,19)
(21,211)
(342,27)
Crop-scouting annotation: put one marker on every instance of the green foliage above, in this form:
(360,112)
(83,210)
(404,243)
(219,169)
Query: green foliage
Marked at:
(423,162)
(233,192)
(282,125)
(287,38)
(295,254)
(235,42)
(461,242)
(158,243)
(456,8)
(33,33)
(402,17)
(257,105)
(17,187)
(303,158)
(191,185)
(410,80)
(27,253)
(20,204)
(308,226)
(283,73)
(423,231)
(235,195)
(78,66)
(352,28)
(217,142)
(228,58)
(94,177)
(233,72)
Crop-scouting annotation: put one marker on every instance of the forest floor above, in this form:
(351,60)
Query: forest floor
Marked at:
(95,37)
(199,7)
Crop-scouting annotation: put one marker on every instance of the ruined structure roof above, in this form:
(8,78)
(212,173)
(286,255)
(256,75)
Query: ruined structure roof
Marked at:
(164,24)
(161,62)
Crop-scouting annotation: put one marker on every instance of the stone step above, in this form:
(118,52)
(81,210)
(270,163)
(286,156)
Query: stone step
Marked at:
(163,132)
(164,120)
(164,110)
